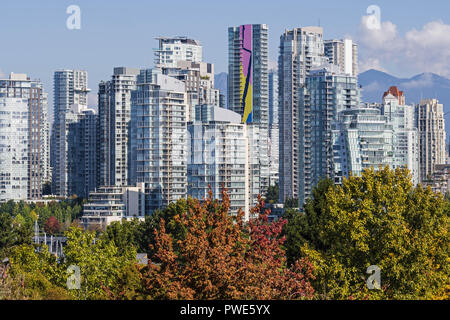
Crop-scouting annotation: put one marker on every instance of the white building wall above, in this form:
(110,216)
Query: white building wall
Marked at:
(13,149)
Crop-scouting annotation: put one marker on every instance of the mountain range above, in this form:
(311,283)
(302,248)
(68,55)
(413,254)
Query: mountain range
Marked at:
(422,86)
(221,83)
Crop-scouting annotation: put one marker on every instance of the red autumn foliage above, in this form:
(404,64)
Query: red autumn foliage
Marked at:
(52,225)
(222,257)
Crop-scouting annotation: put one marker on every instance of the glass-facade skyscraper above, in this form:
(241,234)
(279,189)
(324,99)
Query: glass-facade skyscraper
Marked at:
(326,93)
(81,150)
(274,141)
(70,87)
(301,49)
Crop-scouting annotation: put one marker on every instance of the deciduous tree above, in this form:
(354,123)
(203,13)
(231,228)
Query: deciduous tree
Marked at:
(378,219)
(221,257)
(52,226)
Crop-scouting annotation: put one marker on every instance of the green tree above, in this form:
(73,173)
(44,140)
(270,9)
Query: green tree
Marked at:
(304,227)
(272,194)
(47,189)
(124,234)
(7,235)
(291,203)
(36,275)
(100,263)
(378,219)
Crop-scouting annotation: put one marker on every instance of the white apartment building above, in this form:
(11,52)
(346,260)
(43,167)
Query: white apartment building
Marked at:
(361,139)
(174,49)
(431,125)
(21,86)
(198,78)
(218,157)
(301,49)
(114,203)
(274,141)
(14,149)
(343,53)
(405,137)
(327,93)
(114,116)
(159,138)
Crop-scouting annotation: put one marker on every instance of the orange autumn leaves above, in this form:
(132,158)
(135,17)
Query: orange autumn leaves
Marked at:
(222,257)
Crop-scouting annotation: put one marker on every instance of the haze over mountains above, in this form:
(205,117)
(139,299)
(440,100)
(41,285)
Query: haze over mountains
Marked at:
(221,83)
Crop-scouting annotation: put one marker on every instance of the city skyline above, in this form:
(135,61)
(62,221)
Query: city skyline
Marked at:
(224,151)
(62,48)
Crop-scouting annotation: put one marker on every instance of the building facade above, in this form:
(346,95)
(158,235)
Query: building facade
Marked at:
(82,176)
(405,137)
(327,92)
(198,78)
(159,138)
(343,53)
(70,88)
(376,135)
(218,157)
(114,116)
(114,203)
(248,87)
(273,128)
(362,139)
(300,50)
(22,87)
(174,49)
(14,149)
(431,125)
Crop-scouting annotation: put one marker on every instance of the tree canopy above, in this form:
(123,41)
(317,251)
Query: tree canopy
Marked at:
(378,219)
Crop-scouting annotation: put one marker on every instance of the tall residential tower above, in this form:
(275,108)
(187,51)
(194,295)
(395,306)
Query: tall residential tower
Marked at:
(37,131)
(248,87)
(70,88)
(300,50)
(431,124)
(113,129)
(159,138)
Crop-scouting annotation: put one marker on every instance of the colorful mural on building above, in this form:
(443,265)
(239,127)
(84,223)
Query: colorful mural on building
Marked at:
(246,72)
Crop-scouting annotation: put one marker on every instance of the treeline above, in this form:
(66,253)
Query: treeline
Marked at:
(196,250)
(17,219)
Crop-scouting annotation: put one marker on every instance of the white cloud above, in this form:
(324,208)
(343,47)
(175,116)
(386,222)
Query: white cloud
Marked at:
(423,50)
(371,63)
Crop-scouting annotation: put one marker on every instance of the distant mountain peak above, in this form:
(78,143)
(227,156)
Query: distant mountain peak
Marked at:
(421,86)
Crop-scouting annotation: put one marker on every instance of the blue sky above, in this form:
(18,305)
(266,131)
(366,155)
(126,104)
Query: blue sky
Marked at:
(35,40)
